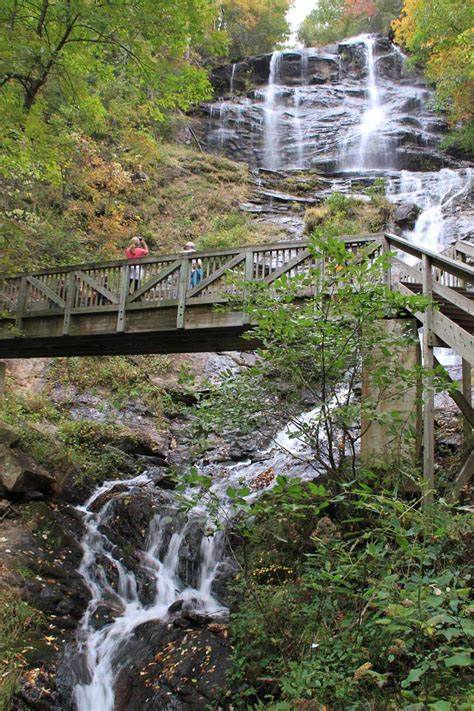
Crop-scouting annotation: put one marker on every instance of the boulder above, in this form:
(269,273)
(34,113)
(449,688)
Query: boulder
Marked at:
(19,474)
(406,215)
(322,69)
(8,435)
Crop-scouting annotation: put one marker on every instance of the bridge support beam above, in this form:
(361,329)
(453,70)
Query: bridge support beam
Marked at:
(380,445)
(467,393)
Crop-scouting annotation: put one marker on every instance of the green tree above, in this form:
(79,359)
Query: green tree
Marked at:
(318,345)
(63,42)
(332,20)
(439,33)
(254,26)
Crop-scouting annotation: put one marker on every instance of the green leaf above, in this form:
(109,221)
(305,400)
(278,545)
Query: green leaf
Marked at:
(441,706)
(414,676)
(231,492)
(462,659)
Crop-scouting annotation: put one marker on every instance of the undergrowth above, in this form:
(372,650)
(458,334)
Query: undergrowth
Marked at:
(352,598)
(342,214)
(18,623)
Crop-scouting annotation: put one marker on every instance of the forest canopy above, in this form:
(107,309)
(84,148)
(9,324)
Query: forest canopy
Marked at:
(332,20)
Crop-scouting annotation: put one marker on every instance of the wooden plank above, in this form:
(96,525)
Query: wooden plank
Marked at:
(109,295)
(217,274)
(21,302)
(463,478)
(454,336)
(52,296)
(451,295)
(454,297)
(464,248)
(70,293)
(154,281)
(124,292)
(287,267)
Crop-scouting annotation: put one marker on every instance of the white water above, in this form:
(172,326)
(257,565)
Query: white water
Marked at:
(363,147)
(298,129)
(101,648)
(271,115)
(374,115)
(232,78)
(439,195)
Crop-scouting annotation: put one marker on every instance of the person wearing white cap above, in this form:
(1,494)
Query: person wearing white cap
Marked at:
(196,265)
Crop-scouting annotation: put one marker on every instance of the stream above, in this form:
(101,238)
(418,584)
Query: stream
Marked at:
(353,112)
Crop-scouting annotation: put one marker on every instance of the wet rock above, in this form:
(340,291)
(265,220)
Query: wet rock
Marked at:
(173,669)
(405,215)
(192,619)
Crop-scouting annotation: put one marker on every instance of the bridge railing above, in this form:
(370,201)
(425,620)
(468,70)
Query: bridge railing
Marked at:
(182,279)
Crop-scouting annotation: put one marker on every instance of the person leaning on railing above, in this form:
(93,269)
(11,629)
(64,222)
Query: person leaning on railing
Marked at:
(136,249)
(196,265)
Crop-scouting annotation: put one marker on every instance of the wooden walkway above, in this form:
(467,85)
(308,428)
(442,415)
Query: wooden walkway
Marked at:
(154,305)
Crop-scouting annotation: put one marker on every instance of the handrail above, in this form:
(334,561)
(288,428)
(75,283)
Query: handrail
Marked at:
(447,264)
(63,269)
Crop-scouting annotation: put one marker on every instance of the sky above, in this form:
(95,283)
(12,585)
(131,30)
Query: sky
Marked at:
(298,12)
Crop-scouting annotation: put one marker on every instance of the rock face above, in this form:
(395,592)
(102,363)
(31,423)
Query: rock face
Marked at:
(315,108)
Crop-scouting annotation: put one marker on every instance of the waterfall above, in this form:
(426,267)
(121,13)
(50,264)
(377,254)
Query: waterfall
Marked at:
(232,78)
(304,64)
(437,195)
(271,138)
(361,148)
(162,560)
(298,136)
(374,115)
(101,648)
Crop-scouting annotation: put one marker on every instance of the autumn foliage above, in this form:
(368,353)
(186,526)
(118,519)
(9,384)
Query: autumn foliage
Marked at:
(440,33)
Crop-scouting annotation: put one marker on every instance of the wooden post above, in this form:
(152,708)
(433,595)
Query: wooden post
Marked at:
(428,394)
(124,291)
(467,392)
(388,271)
(70,294)
(249,262)
(20,305)
(182,291)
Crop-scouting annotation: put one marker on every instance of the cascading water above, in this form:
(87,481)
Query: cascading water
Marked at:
(374,116)
(100,648)
(271,116)
(232,78)
(437,196)
(364,148)
(162,560)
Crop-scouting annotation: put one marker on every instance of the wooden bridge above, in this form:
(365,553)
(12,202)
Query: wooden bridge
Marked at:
(155,306)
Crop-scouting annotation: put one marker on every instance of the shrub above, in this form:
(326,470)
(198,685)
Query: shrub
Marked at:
(373,610)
